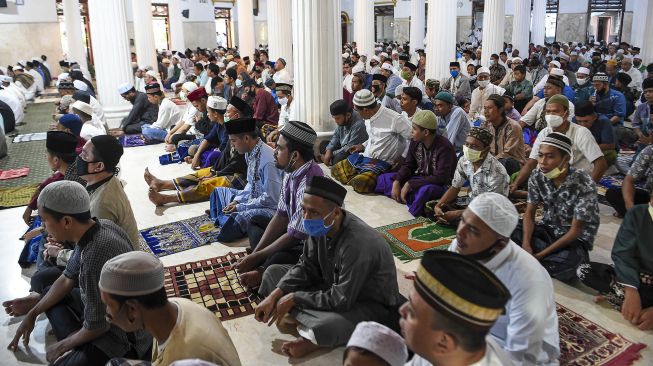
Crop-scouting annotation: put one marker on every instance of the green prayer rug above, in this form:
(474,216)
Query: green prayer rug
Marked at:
(410,239)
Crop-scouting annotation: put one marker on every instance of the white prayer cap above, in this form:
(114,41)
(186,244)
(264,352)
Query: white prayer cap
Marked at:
(177,57)
(387,66)
(345,55)
(364,98)
(83,107)
(217,103)
(152,73)
(23,63)
(357,68)
(18,67)
(574,53)
(192,362)
(496,211)
(380,340)
(5,79)
(564,56)
(583,46)
(189,86)
(376,58)
(80,85)
(147,68)
(231,64)
(394,52)
(637,56)
(124,88)
(557,72)
(516,59)
(66,197)
(628,58)
(221,65)
(483,70)
(142,68)
(555,63)
(134,273)
(583,70)
(364,55)
(384,54)
(620,51)
(597,44)
(399,90)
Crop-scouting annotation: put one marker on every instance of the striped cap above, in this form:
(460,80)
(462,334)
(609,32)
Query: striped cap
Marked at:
(601,76)
(299,132)
(364,98)
(558,140)
(461,289)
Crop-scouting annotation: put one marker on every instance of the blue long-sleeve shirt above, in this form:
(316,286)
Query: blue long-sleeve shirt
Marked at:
(567,91)
(263,180)
(612,103)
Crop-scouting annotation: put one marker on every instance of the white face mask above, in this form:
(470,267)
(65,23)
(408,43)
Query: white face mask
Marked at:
(581,81)
(483,83)
(554,121)
(283,101)
(491,63)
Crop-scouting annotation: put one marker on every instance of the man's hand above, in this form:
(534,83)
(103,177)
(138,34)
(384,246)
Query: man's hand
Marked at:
(27,215)
(632,306)
(356,149)
(396,191)
(437,211)
(327,158)
(646,319)
(248,263)
(168,139)
(32,234)
(397,162)
(24,331)
(513,187)
(54,351)
(195,162)
(404,192)
(284,305)
(51,251)
(267,307)
(593,99)
(527,247)
(230,208)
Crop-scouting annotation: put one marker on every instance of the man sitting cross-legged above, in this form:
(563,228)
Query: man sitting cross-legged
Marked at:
(233,209)
(345,275)
(228,171)
(280,239)
(77,315)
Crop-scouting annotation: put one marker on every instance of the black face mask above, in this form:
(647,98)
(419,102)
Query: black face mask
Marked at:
(82,166)
(375,89)
(485,254)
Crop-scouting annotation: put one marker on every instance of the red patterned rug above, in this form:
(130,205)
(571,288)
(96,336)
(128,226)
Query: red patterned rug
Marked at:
(583,342)
(214,284)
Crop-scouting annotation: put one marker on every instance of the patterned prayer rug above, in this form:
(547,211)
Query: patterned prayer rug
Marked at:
(14,197)
(612,181)
(410,239)
(27,137)
(583,342)
(178,236)
(214,284)
(132,140)
(13,173)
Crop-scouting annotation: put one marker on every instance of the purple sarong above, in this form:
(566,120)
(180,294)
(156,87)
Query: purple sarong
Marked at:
(416,199)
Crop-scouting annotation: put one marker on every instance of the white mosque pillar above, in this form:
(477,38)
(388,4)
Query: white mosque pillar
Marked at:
(639,23)
(417,24)
(364,27)
(144,33)
(280,31)
(245,14)
(177,41)
(73,23)
(441,19)
(111,56)
(521,23)
(494,23)
(647,43)
(317,46)
(538,25)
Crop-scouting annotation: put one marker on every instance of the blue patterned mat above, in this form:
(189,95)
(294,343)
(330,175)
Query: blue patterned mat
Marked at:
(178,236)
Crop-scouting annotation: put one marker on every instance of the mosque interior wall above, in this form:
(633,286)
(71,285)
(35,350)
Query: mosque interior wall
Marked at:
(507,30)
(463,27)
(22,41)
(626,34)
(571,27)
(199,34)
(401,30)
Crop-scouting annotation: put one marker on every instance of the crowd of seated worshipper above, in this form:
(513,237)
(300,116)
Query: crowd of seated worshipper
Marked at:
(509,154)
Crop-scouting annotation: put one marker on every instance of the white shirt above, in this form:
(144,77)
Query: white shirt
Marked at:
(531,116)
(636,75)
(479,97)
(584,147)
(29,93)
(529,329)
(287,114)
(14,103)
(15,91)
(391,103)
(415,82)
(494,356)
(464,64)
(540,85)
(388,133)
(189,119)
(282,76)
(92,128)
(139,84)
(38,80)
(98,111)
(168,116)
(346,82)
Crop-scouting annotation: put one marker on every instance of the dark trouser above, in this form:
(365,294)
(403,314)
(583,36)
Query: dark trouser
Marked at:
(44,278)
(512,166)
(615,197)
(342,155)
(134,128)
(179,137)
(603,278)
(561,264)
(255,230)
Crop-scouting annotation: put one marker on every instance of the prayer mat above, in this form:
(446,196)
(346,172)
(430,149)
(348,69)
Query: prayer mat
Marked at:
(27,137)
(132,140)
(14,197)
(612,181)
(583,342)
(178,236)
(214,284)
(13,173)
(410,239)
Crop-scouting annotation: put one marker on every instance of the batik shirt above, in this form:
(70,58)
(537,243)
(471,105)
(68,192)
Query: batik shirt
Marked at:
(490,177)
(292,194)
(574,199)
(642,168)
(263,180)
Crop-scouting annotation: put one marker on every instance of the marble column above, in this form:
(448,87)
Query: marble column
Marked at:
(639,22)
(280,31)
(417,19)
(245,14)
(73,23)
(364,27)
(647,43)
(177,42)
(521,27)
(538,24)
(441,20)
(494,23)
(317,45)
(144,33)
(111,56)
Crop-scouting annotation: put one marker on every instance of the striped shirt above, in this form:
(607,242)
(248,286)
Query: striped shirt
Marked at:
(292,193)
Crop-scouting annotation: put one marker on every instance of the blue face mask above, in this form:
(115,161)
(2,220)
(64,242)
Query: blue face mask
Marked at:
(454,73)
(239,83)
(316,227)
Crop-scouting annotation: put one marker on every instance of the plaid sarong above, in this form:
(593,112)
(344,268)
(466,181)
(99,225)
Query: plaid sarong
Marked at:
(359,172)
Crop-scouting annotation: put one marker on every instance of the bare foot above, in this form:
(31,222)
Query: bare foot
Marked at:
(171,148)
(616,214)
(155,183)
(300,347)
(21,305)
(161,199)
(148,176)
(116,132)
(252,279)
(599,298)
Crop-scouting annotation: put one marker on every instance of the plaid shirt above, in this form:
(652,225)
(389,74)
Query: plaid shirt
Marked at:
(292,193)
(101,242)
(642,168)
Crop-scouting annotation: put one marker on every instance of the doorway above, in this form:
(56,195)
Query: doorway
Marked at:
(223,27)
(161,26)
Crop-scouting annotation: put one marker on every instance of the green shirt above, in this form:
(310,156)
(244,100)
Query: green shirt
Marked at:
(632,252)
(524,86)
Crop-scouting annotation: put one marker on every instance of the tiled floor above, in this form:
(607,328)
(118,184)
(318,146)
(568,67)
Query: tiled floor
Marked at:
(257,343)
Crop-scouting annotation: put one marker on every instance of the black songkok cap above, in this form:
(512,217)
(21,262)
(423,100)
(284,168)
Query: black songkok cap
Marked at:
(380,77)
(242,107)
(326,188)
(339,107)
(61,142)
(108,150)
(240,125)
